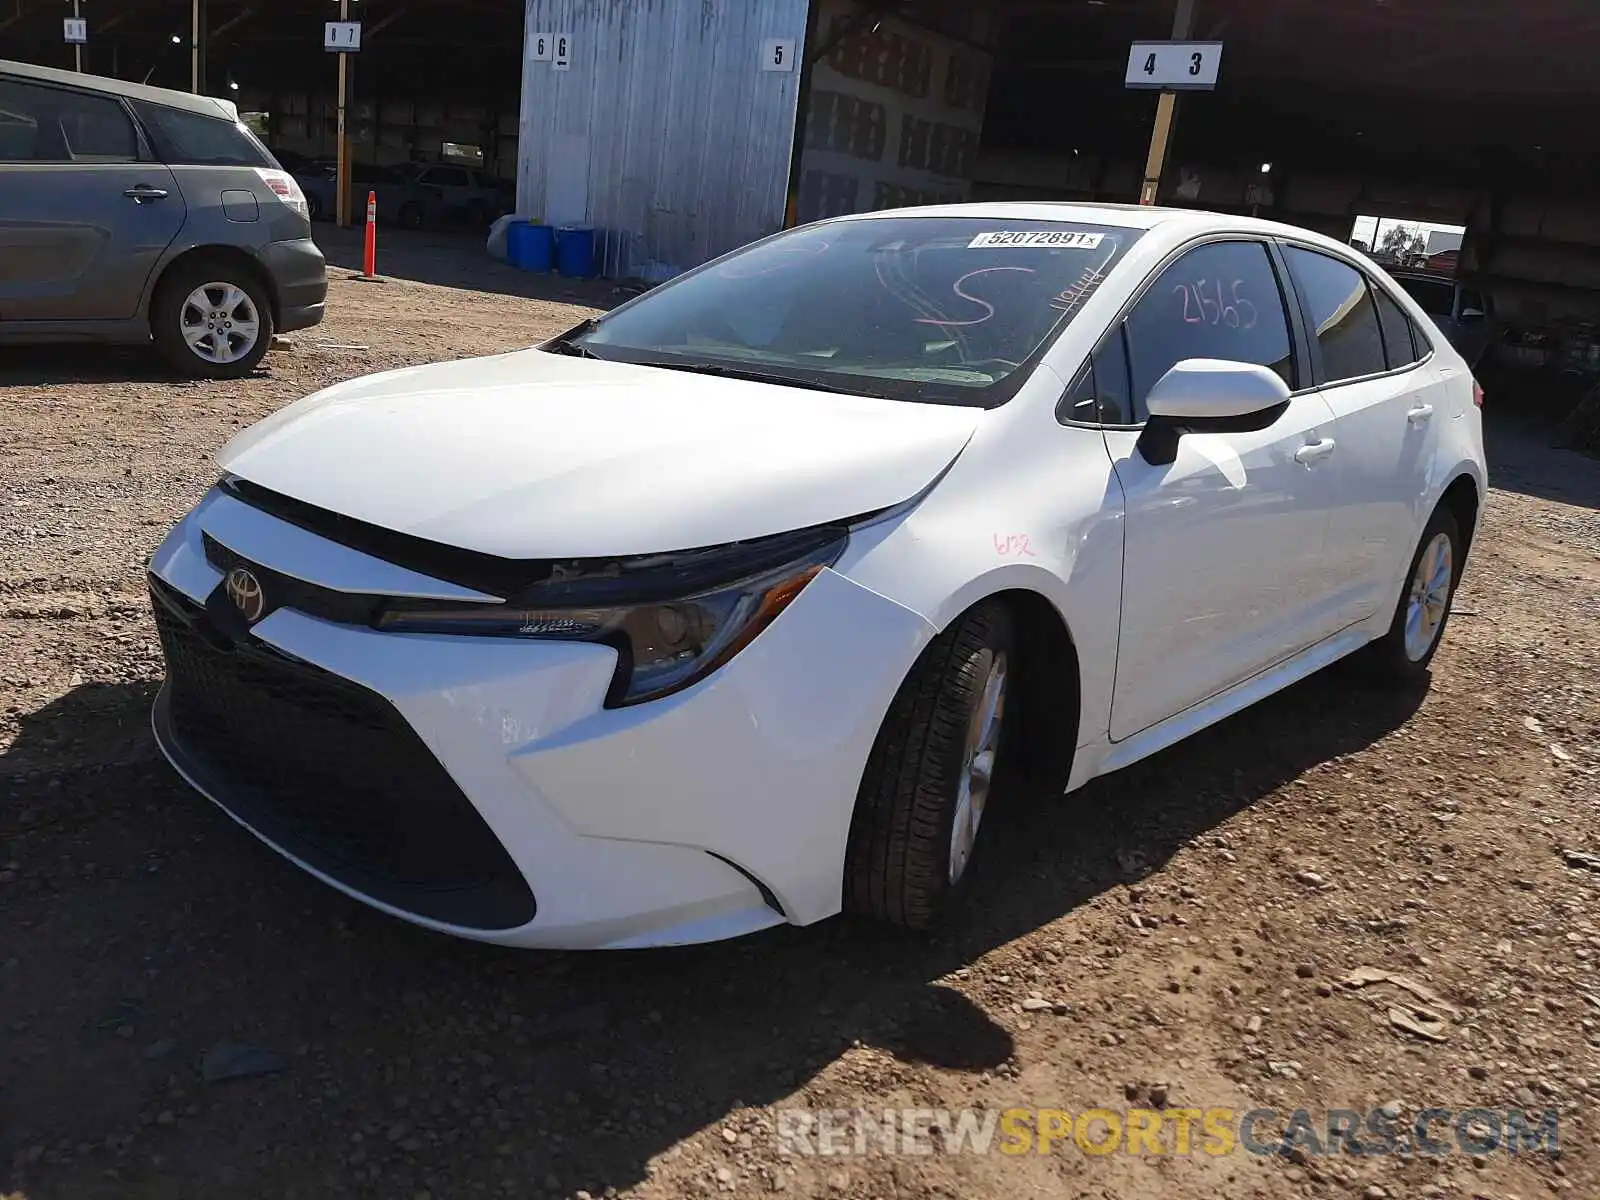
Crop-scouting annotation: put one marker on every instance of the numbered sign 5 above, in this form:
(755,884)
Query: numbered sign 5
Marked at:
(342,36)
(561,51)
(777,54)
(543,46)
(1174,66)
(75,30)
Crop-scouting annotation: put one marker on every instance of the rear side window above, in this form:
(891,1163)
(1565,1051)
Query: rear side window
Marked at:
(1341,313)
(46,124)
(1434,296)
(191,139)
(1397,342)
(1218,301)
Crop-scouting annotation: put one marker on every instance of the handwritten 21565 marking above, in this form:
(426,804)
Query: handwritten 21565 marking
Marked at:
(1013,545)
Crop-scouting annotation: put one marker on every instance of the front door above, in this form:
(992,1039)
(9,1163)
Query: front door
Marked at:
(83,222)
(1222,573)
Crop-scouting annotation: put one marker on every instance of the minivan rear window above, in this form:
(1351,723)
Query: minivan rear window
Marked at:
(192,139)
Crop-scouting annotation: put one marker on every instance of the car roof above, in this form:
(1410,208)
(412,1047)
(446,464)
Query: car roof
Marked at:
(1187,222)
(205,105)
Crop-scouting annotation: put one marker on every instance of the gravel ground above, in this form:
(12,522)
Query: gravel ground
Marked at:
(1176,936)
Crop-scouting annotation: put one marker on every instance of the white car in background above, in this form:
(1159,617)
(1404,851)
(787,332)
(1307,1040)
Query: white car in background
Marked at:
(730,607)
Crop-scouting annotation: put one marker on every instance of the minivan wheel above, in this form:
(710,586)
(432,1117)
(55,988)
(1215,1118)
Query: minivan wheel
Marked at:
(929,779)
(211,320)
(1403,654)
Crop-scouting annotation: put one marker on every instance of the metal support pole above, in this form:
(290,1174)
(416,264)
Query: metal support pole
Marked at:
(342,184)
(77,47)
(197,47)
(1166,115)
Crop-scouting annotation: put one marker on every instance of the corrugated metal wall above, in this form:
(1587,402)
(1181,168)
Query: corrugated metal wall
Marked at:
(665,133)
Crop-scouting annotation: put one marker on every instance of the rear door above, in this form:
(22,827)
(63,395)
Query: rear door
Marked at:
(1222,574)
(85,215)
(1384,403)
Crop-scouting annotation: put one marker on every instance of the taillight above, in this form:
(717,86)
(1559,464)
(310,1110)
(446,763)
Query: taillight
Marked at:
(285,188)
(1477,393)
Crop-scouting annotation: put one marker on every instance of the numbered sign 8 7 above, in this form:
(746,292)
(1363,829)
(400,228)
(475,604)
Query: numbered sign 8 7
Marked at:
(341,36)
(1174,66)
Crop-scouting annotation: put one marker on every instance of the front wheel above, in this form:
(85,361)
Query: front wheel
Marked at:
(1424,608)
(211,320)
(928,782)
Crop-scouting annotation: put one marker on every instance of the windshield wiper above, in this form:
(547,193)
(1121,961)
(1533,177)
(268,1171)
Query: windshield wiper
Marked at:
(725,372)
(567,343)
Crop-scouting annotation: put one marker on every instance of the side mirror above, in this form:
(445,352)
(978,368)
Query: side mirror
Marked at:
(1472,314)
(1201,389)
(1209,395)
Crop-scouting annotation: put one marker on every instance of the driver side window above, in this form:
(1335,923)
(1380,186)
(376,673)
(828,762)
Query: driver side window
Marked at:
(1220,300)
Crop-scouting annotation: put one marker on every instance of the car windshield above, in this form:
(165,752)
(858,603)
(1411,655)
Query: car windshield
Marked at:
(1434,295)
(939,309)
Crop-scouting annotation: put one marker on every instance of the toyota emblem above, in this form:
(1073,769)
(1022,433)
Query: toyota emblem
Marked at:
(244,589)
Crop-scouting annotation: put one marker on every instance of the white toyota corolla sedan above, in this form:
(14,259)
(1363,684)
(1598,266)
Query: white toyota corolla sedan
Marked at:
(730,607)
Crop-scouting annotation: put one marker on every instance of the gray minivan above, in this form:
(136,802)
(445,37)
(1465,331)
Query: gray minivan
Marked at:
(132,213)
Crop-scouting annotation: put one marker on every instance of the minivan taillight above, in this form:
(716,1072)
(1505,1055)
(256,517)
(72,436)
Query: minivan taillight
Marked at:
(285,188)
(1477,393)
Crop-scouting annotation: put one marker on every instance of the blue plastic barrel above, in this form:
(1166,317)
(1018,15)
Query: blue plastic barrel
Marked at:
(530,247)
(575,251)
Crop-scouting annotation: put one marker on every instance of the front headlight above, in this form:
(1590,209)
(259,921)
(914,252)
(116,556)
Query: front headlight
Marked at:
(673,619)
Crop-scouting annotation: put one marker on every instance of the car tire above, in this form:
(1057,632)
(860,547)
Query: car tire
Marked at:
(410,215)
(313,207)
(477,214)
(923,796)
(1423,610)
(201,312)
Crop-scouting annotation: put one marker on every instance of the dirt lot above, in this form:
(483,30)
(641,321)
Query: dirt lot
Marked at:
(1176,936)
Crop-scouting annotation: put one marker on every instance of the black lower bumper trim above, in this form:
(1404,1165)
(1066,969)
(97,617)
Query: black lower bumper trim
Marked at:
(328,772)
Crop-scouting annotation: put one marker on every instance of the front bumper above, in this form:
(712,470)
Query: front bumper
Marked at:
(299,275)
(450,780)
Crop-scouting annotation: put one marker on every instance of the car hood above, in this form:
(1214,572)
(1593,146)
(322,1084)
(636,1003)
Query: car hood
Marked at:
(540,455)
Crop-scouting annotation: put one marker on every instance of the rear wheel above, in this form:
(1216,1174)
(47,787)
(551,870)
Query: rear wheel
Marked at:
(411,215)
(1424,609)
(211,320)
(928,783)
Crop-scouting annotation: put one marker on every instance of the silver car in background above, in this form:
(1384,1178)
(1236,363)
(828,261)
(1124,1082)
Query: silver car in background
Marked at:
(134,214)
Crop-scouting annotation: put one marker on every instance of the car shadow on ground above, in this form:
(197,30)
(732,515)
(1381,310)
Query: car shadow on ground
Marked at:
(459,259)
(143,927)
(22,366)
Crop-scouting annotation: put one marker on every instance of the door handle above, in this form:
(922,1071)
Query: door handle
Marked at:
(1420,414)
(139,193)
(1314,452)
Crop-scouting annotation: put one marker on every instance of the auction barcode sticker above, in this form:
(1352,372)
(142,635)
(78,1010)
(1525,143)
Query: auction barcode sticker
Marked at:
(1061,238)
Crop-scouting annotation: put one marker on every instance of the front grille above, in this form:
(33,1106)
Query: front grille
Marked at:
(330,772)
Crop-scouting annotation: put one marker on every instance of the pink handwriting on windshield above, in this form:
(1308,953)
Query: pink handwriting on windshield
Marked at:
(1073,296)
(968,296)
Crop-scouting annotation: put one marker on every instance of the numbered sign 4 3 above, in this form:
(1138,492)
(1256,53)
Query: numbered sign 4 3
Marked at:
(1174,66)
(343,36)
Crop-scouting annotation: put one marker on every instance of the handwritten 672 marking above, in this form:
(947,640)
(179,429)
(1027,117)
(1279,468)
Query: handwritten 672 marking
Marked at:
(1013,545)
